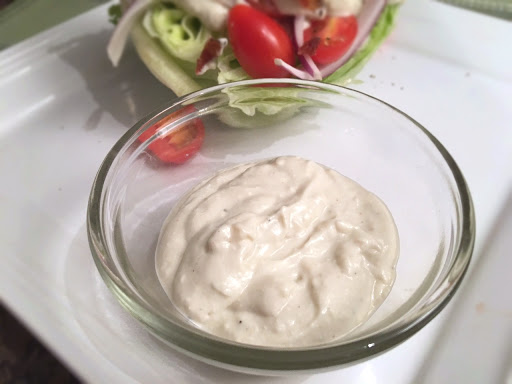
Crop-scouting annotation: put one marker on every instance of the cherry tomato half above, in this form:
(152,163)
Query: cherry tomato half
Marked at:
(178,146)
(257,40)
(332,36)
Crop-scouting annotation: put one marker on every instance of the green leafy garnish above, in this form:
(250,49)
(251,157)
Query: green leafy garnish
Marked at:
(114,13)
(276,104)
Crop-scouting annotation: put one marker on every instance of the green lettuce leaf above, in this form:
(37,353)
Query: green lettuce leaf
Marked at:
(161,64)
(265,105)
(264,100)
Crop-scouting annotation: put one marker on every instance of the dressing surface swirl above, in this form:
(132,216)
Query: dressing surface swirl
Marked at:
(283,252)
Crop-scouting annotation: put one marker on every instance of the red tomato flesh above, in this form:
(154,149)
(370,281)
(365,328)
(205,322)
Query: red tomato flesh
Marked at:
(180,145)
(257,40)
(331,38)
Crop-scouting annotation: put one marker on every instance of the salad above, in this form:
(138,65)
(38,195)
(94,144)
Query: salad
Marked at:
(193,44)
(189,45)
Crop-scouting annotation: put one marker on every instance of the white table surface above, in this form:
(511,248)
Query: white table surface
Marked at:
(62,107)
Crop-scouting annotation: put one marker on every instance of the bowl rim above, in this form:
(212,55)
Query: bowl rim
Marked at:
(220,352)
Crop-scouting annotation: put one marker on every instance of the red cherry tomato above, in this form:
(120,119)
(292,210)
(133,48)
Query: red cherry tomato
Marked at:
(330,38)
(178,146)
(257,40)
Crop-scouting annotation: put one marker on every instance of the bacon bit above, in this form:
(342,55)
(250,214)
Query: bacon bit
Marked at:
(212,49)
(310,46)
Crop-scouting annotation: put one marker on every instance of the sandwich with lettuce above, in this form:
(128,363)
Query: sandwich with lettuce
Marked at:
(193,44)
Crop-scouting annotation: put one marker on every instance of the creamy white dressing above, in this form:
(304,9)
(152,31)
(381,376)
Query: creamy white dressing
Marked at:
(283,252)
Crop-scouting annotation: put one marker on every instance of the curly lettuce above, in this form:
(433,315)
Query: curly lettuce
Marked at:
(181,34)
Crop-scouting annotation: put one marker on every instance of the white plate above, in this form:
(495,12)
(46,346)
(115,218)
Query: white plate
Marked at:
(62,106)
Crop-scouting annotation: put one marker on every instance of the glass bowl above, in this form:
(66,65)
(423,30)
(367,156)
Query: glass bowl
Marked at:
(375,144)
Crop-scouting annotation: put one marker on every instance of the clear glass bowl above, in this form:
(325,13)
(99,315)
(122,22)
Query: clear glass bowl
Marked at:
(373,143)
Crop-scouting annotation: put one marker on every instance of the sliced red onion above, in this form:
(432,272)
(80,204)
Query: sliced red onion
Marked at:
(298,73)
(118,40)
(310,66)
(366,20)
(300,24)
